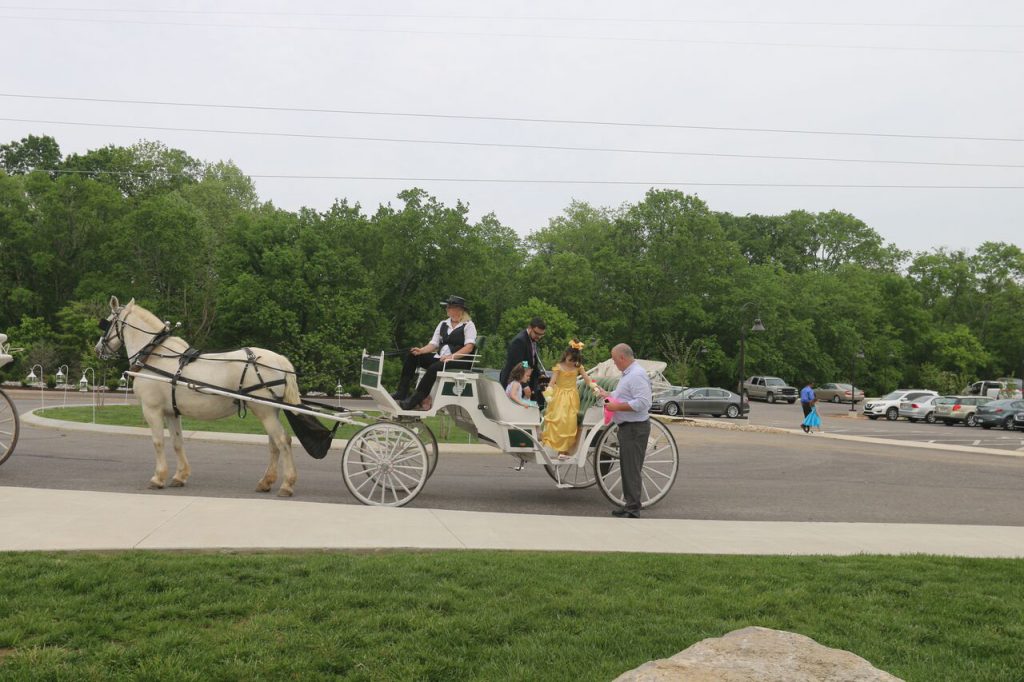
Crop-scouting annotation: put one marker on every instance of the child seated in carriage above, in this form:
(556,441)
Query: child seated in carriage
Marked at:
(518,379)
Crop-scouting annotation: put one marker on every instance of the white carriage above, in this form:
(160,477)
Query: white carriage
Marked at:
(9,425)
(388,462)
(389,459)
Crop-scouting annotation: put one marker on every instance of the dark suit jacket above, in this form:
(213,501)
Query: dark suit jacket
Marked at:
(520,349)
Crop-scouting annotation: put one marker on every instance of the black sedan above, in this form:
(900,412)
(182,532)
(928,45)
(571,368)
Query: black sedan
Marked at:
(998,413)
(705,400)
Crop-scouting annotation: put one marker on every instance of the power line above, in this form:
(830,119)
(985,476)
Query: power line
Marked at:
(483,34)
(558,181)
(515,119)
(485,17)
(506,145)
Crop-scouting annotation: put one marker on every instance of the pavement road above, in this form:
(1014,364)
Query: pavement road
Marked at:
(726,475)
(838,419)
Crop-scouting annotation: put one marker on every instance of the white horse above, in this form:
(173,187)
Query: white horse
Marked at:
(254,371)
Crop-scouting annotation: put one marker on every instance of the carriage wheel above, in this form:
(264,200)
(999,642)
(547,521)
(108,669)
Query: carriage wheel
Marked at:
(430,441)
(661,464)
(572,475)
(9,427)
(385,464)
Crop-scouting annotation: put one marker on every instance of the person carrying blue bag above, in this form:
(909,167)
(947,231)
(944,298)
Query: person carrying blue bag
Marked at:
(808,400)
(812,420)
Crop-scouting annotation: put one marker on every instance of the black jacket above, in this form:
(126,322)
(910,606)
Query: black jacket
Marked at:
(519,350)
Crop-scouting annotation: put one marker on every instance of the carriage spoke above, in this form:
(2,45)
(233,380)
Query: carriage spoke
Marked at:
(385,464)
(667,447)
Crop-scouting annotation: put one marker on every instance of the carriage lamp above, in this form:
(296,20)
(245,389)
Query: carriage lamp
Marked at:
(83,384)
(123,382)
(60,374)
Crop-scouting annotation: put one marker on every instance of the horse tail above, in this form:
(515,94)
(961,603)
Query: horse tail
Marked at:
(291,385)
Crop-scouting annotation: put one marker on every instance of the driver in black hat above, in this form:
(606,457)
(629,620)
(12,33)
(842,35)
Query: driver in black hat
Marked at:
(454,338)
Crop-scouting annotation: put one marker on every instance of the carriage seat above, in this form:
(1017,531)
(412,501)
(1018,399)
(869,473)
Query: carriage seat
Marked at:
(497,406)
(475,365)
(587,397)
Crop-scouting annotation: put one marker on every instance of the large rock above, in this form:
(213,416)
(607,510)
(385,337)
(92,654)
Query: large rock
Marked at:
(759,655)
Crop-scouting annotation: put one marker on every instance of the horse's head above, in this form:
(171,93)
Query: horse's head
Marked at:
(112,340)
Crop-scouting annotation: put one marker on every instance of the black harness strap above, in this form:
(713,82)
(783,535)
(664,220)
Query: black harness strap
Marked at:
(190,355)
(253,360)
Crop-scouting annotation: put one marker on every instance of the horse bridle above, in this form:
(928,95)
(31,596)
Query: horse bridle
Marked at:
(117,324)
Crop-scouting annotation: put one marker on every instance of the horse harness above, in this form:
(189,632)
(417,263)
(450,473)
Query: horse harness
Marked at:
(189,355)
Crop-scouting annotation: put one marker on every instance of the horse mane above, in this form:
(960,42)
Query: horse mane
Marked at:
(149,319)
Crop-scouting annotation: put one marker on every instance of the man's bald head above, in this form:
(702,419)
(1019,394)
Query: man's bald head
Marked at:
(622,356)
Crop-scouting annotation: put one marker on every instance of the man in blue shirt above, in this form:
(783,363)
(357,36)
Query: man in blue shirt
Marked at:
(807,400)
(630,412)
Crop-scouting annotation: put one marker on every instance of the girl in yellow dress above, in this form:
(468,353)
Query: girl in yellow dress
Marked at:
(560,427)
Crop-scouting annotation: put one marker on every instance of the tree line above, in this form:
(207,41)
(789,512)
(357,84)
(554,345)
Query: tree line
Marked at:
(678,281)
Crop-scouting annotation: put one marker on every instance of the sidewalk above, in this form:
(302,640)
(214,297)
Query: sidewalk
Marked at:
(34,519)
(41,519)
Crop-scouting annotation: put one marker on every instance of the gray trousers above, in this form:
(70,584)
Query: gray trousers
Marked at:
(633,438)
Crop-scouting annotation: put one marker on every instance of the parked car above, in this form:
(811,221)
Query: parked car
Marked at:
(770,389)
(672,395)
(838,393)
(961,409)
(704,400)
(1018,421)
(998,413)
(922,408)
(888,406)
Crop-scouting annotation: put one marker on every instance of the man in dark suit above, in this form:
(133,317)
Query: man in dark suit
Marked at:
(523,348)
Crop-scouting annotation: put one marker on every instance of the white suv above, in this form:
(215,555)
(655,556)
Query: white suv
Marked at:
(888,406)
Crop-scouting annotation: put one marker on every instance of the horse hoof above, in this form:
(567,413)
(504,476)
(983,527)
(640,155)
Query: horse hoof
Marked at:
(262,488)
(284,493)
(175,483)
(153,485)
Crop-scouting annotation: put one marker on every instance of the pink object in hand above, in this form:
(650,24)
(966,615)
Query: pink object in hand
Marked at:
(607,412)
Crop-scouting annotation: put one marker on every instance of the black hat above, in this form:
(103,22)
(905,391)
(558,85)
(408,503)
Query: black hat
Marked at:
(455,300)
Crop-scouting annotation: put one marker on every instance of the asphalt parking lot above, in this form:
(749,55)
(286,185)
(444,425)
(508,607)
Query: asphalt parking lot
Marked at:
(838,419)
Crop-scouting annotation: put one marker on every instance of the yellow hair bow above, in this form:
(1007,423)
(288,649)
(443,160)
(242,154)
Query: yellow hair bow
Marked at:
(576,345)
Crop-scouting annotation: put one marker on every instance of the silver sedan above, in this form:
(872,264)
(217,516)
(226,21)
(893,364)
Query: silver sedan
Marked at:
(838,393)
(706,400)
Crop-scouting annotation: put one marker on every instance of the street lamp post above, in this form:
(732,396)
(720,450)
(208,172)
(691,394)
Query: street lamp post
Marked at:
(42,382)
(853,381)
(62,378)
(758,327)
(125,383)
(83,387)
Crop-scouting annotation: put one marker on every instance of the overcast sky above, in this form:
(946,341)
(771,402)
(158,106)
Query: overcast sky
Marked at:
(936,68)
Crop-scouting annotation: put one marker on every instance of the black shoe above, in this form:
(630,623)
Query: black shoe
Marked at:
(625,514)
(399,396)
(806,428)
(412,402)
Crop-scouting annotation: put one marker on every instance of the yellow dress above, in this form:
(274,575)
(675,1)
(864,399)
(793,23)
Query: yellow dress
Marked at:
(560,415)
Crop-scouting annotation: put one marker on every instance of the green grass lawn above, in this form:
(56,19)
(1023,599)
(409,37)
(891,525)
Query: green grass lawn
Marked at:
(488,615)
(131,415)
